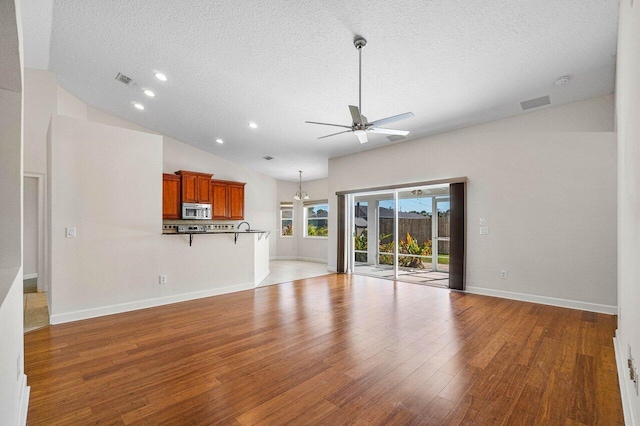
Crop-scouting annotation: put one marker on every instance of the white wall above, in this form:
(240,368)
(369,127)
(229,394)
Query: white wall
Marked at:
(40,102)
(13,390)
(549,199)
(12,378)
(30,227)
(299,247)
(70,106)
(10,178)
(106,182)
(628,125)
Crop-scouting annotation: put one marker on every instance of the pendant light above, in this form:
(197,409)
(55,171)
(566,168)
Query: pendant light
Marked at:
(300,194)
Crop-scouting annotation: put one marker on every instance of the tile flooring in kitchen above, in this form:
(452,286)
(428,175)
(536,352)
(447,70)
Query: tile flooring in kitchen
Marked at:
(36,312)
(283,271)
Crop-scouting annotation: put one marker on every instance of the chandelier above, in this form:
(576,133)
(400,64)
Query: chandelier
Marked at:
(300,194)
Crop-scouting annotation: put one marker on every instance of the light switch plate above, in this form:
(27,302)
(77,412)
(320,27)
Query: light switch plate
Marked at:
(71,232)
(484,230)
(482,221)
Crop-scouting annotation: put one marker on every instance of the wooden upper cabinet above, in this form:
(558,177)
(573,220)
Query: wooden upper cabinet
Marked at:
(189,189)
(196,187)
(228,199)
(236,201)
(204,189)
(219,192)
(171,196)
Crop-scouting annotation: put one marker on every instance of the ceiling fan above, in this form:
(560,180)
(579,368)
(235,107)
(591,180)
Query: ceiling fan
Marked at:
(360,125)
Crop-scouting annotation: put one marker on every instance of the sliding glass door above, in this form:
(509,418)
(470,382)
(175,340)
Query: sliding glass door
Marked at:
(402,234)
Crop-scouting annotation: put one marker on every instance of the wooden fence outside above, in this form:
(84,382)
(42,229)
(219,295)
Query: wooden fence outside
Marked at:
(419,229)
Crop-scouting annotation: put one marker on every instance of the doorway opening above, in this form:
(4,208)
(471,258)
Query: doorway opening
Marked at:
(35,303)
(403,234)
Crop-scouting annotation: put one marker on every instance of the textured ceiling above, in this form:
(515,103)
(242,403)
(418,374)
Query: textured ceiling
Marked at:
(452,63)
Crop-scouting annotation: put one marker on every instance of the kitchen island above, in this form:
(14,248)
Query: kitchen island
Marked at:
(258,242)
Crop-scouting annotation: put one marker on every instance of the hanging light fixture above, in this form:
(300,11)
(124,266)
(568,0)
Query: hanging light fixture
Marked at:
(300,194)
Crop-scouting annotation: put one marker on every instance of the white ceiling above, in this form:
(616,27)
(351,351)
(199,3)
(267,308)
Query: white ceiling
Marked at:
(453,63)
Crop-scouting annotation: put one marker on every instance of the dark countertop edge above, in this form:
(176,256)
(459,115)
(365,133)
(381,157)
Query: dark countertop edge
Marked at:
(217,232)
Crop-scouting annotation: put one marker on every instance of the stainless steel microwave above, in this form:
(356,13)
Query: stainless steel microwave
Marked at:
(196,211)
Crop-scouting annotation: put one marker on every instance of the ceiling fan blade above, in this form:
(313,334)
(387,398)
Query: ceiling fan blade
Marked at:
(388,131)
(328,124)
(393,119)
(355,114)
(362,136)
(333,134)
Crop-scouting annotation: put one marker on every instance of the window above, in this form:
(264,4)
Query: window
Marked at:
(286,220)
(316,218)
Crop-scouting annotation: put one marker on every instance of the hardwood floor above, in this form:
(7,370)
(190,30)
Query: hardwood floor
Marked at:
(329,350)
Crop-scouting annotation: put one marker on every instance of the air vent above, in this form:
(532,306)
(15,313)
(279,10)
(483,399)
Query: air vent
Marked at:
(396,138)
(123,78)
(268,157)
(535,103)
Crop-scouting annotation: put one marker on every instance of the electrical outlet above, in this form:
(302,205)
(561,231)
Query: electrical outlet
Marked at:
(163,279)
(503,275)
(71,232)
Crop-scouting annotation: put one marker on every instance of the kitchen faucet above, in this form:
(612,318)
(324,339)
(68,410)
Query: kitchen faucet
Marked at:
(248,226)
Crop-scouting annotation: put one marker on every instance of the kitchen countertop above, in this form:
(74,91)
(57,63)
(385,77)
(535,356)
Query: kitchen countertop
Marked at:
(214,231)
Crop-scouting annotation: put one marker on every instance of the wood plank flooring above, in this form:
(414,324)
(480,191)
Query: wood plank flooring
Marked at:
(329,350)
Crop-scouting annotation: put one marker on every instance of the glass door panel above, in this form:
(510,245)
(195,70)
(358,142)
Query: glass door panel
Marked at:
(386,234)
(443,206)
(415,230)
(361,232)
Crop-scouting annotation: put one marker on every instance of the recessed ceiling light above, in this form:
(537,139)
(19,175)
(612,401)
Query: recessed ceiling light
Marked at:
(139,106)
(253,125)
(161,76)
(219,140)
(149,93)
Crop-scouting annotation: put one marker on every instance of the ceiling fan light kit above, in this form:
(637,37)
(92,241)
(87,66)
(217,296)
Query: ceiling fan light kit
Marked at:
(360,125)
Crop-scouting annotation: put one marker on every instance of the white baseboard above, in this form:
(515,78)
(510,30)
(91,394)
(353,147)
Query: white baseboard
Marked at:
(623,380)
(563,303)
(306,259)
(312,259)
(25,391)
(143,304)
(261,278)
(29,276)
(332,269)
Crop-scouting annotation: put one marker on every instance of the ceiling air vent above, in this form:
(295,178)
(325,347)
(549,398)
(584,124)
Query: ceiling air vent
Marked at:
(123,78)
(535,103)
(268,157)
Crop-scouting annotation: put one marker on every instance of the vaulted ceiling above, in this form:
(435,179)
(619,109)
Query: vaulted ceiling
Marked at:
(278,63)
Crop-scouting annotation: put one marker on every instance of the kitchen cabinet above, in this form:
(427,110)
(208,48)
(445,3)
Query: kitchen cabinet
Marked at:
(219,196)
(236,201)
(195,187)
(228,200)
(171,197)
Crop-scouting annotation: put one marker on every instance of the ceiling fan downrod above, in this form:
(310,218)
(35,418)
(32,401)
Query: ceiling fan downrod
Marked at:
(359,43)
